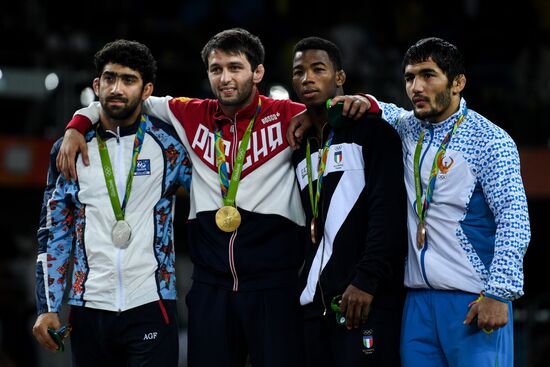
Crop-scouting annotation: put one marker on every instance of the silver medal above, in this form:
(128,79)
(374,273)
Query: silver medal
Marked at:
(121,234)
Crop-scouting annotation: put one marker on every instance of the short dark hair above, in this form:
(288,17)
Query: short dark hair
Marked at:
(236,41)
(132,54)
(317,43)
(443,53)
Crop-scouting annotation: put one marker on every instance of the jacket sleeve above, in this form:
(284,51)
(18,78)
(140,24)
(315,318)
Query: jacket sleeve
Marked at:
(84,118)
(159,107)
(504,192)
(383,257)
(55,238)
(184,174)
(155,106)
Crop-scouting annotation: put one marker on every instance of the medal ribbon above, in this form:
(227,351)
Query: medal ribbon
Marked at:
(229,188)
(108,169)
(320,170)
(422,207)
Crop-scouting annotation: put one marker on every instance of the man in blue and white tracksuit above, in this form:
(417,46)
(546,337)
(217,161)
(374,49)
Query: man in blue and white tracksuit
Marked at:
(467,218)
(122,293)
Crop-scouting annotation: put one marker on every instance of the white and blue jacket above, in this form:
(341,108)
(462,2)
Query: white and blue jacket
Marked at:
(477,223)
(77,219)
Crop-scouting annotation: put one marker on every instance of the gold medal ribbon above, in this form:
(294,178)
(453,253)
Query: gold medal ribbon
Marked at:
(229,218)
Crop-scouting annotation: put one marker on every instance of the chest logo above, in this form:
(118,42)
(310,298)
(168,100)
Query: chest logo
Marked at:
(444,163)
(143,167)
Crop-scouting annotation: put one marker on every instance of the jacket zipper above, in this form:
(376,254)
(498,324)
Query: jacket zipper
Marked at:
(425,247)
(233,154)
(120,168)
(320,211)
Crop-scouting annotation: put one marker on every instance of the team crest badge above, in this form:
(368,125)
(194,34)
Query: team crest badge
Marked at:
(368,341)
(338,157)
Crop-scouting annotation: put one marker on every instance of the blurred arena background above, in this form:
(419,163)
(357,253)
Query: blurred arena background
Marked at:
(46,52)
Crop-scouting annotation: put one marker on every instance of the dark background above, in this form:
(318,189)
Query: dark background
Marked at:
(507,49)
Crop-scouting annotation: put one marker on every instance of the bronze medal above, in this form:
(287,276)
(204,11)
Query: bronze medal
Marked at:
(313,230)
(228,218)
(420,235)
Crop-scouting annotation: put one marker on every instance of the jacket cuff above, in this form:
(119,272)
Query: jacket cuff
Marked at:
(496,297)
(374,106)
(366,283)
(81,123)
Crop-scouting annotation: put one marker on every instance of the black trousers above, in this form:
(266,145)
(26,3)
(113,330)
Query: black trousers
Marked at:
(226,327)
(374,343)
(143,336)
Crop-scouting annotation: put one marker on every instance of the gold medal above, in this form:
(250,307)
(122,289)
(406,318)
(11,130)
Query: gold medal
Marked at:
(420,235)
(228,218)
(313,230)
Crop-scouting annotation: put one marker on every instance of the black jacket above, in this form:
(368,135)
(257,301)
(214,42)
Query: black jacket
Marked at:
(362,216)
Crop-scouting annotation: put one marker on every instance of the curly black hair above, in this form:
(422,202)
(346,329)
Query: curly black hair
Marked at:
(132,54)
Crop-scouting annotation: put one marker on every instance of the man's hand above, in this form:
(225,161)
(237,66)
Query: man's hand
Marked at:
(355,306)
(354,106)
(73,142)
(297,127)
(491,314)
(40,329)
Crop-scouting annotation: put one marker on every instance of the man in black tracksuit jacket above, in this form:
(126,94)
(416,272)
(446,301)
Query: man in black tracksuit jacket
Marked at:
(359,242)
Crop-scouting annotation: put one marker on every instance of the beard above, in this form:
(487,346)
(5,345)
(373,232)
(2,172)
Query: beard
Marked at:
(119,112)
(441,104)
(239,99)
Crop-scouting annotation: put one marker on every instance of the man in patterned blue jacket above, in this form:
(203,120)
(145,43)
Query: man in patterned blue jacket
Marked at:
(113,227)
(467,218)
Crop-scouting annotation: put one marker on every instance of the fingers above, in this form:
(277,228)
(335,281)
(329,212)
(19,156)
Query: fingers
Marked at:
(354,106)
(298,136)
(63,166)
(293,136)
(488,314)
(40,332)
(297,128)
(490,323)
(355,312)
(84,150)
(472,313)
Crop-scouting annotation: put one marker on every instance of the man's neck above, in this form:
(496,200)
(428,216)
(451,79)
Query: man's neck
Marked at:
(109,123)
(318,116)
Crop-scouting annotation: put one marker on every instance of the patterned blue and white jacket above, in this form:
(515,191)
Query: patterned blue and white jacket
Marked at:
(77,219)
(477,223)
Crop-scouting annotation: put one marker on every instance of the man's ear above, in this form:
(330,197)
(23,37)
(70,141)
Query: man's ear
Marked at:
(258,74)
(340,78)
(458,84)
(95,85)
(147,91)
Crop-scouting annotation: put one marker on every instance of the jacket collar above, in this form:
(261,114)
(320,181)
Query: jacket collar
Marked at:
(120,131)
